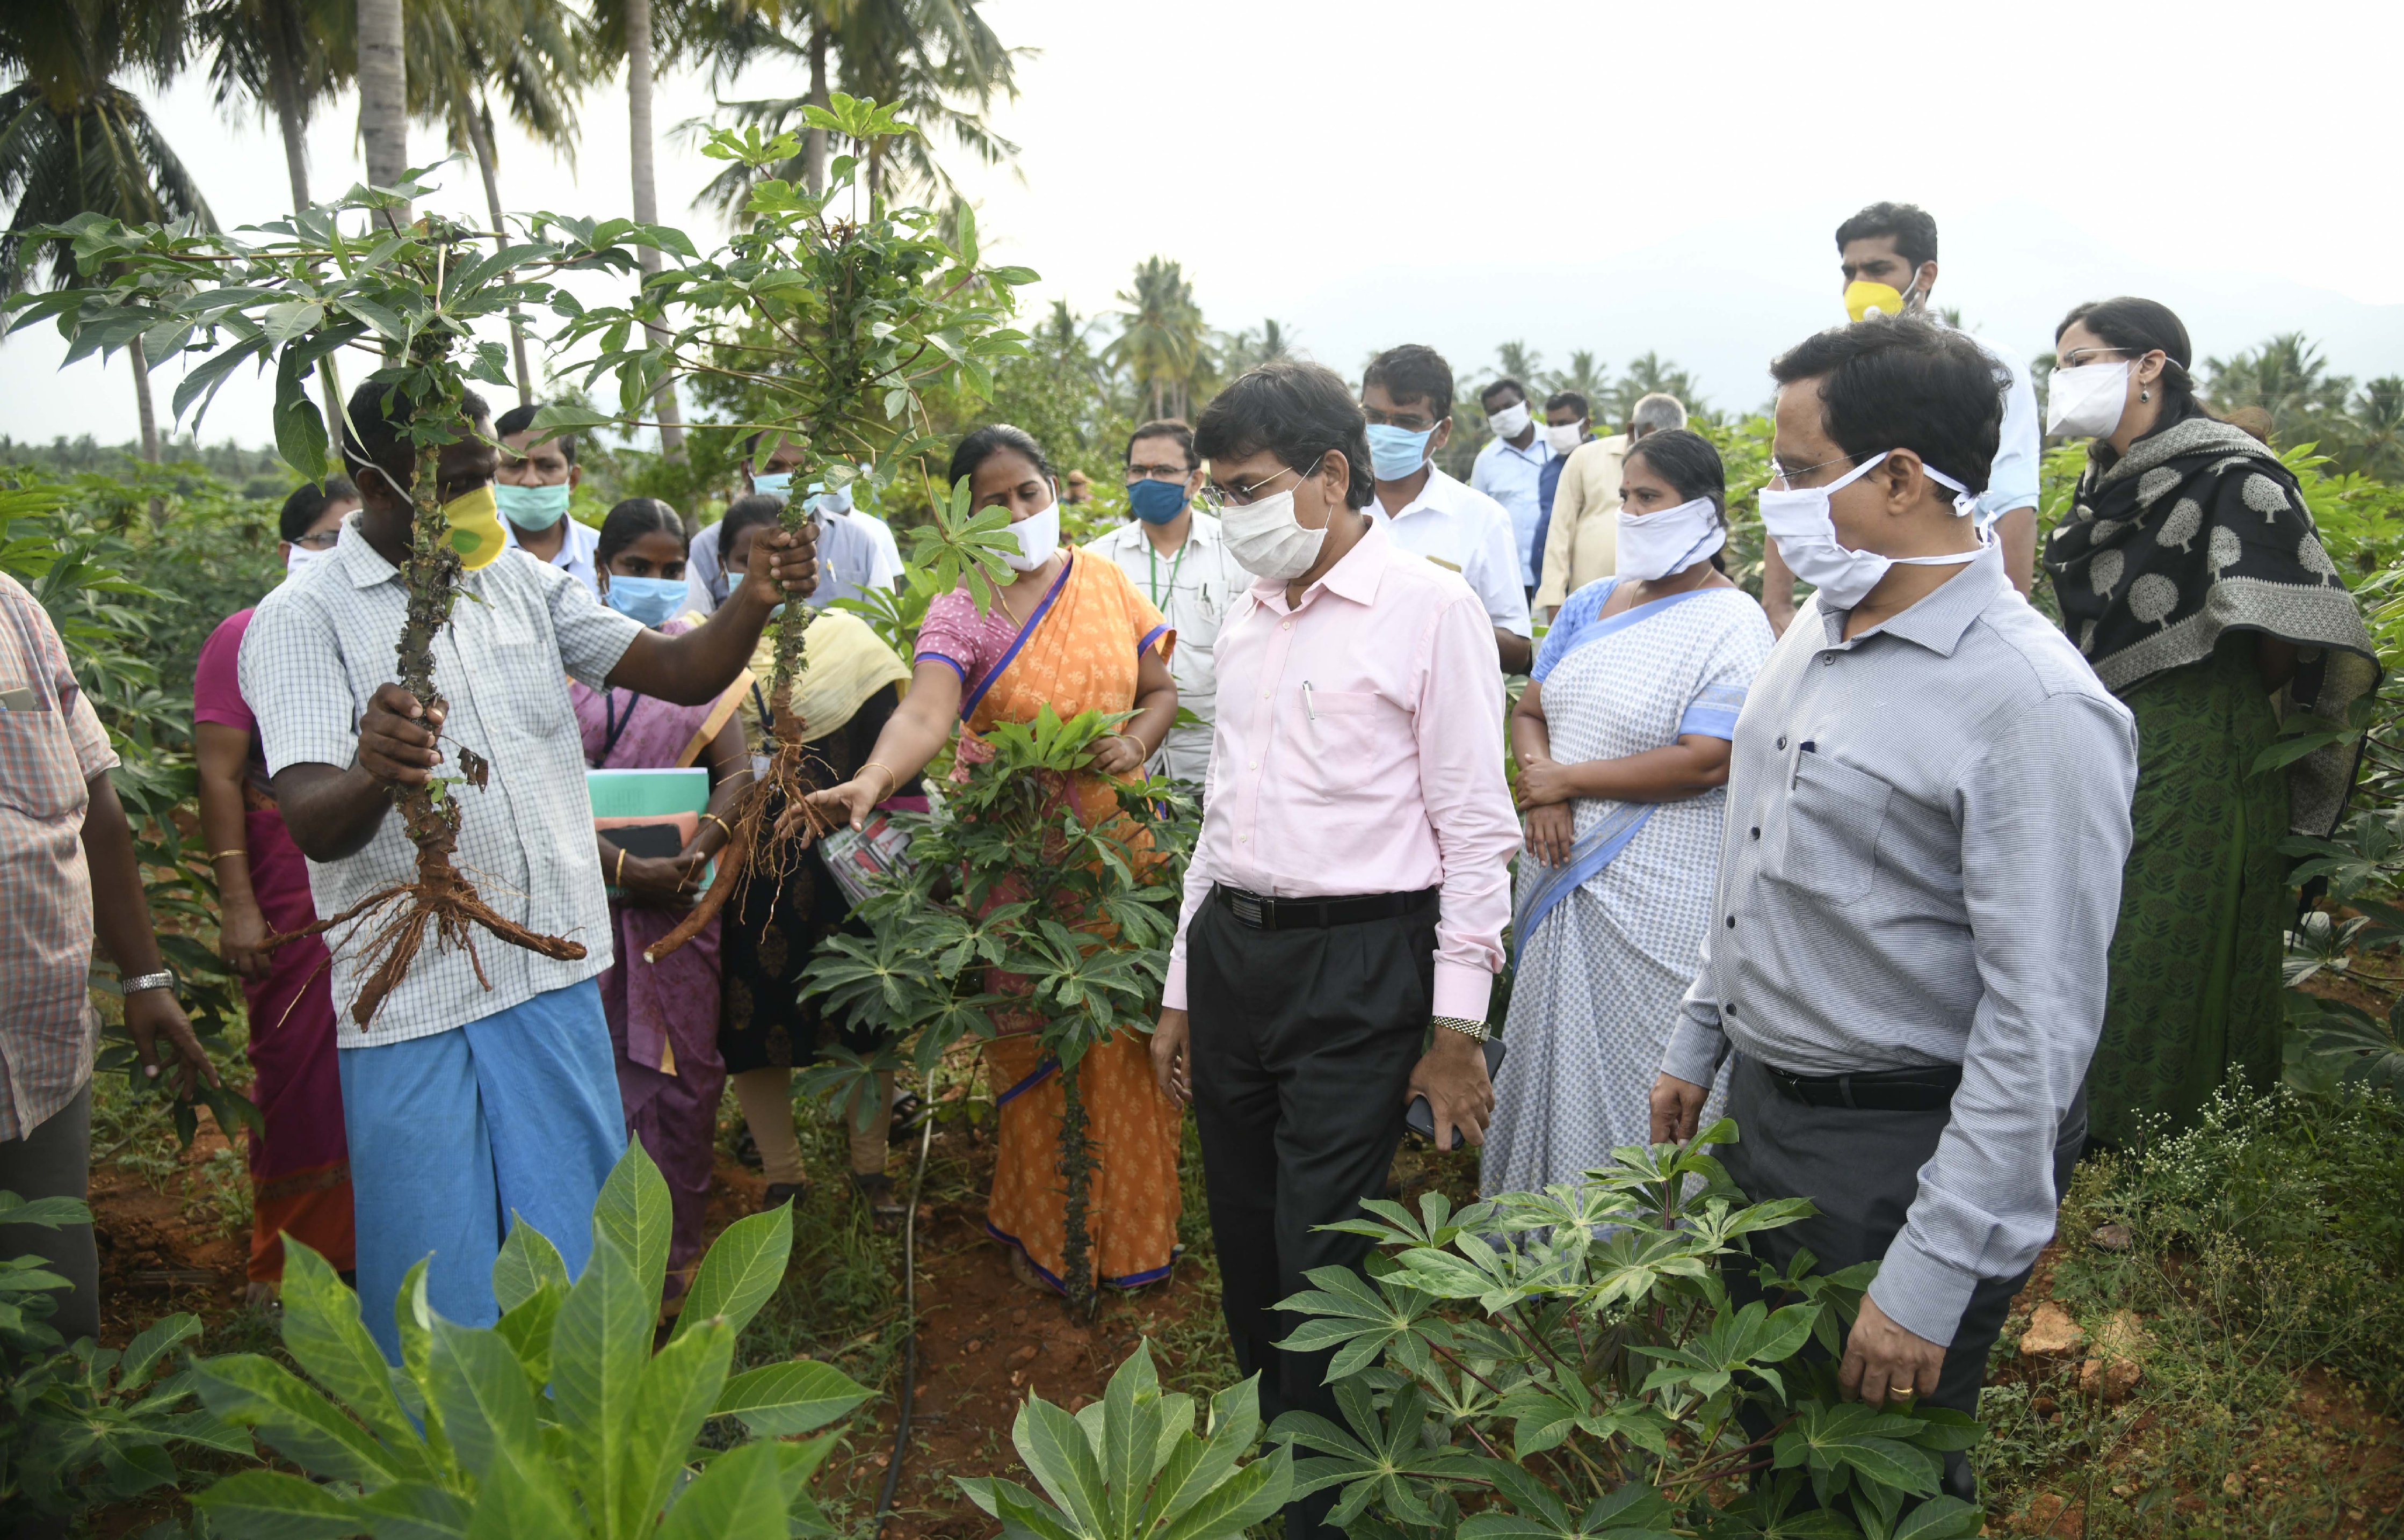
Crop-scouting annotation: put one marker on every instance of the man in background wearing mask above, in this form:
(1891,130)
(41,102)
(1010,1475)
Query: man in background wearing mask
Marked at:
(1344,909)
(1568,423)
(1581,543)
(839,503)
(849,561)
(533,487)
(483,1086)
(1178,558)
(1407,394)
(1914,905)
(1510,468)
(1887,254)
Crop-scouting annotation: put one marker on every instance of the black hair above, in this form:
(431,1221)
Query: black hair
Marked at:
(1297,412)
(307,505)
(1903,382)
(989,440)
(1413,372)
(1490,391)
(632,520)
(1164,427)
(2140,327)
(1914,229)
(1561,398)
(1689,463)
(378,414)
(519,419)
(751,508)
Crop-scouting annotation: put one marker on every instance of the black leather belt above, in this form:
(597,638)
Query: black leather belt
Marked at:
(1929,1088)
(1262,913)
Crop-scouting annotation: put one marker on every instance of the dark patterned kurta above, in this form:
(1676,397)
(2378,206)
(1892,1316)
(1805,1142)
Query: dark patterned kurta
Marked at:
(772,935)
(2195,988)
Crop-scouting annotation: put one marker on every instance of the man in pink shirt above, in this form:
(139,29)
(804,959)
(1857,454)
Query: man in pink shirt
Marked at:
(1344,910)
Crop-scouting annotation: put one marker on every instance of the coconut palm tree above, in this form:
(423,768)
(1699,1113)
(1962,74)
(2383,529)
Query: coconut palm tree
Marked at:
(384,95)
(533,53)
(938,60)
(1161,339)
(288,58)
(1584,375)
(2288,377)
(1647,376)
(73,141)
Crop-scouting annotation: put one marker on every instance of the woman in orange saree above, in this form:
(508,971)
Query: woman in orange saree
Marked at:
(1071,633)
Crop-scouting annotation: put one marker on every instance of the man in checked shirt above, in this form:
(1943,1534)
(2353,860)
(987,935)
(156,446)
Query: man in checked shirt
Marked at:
(479,1092)
(1927,811)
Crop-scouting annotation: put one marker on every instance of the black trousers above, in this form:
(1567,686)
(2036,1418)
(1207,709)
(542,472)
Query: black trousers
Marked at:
(54,1160)
(1303,1046)
(1861,1168)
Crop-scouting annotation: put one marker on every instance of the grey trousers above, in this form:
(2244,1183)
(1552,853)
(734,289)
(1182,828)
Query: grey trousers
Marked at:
(54,1160)
(1861,1168)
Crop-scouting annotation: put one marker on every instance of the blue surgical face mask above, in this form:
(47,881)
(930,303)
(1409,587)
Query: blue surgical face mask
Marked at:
(774,484)
(653,601)
(1156,501)
(532,507)
(1396,452)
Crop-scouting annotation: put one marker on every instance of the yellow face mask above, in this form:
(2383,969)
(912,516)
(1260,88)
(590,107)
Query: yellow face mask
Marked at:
(475,520)
(1864,298)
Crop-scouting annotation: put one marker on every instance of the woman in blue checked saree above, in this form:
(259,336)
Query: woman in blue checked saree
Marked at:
(1622,740)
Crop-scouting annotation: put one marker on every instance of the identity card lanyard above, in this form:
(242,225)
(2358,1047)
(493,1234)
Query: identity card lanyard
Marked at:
(1151,557)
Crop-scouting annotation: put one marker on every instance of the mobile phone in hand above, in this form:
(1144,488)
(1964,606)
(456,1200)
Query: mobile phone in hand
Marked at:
(1419,1118)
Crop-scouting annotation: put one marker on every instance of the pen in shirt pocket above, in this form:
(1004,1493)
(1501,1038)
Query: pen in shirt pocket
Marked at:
(1794,772)
(1306,702)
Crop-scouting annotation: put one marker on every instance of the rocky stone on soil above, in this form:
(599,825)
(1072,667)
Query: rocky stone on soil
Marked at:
(2051,1334)
(2113,1237)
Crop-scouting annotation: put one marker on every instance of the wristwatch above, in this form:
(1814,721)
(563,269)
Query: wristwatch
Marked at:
(143,982)
(1475,1031)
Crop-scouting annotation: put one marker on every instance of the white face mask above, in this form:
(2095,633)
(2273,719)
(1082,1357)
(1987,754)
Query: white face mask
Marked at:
(297,556)
(2085,401)
(1039,536)
(1510,422)
(1800,520)
(1654,545)
(1564,437)
(1267,540)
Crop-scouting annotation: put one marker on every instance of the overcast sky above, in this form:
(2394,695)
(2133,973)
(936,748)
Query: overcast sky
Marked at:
(1620,177)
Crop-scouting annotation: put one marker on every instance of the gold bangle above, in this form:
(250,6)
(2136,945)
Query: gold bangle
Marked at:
(216,855)
(620,879)
(722,823)
(892,781)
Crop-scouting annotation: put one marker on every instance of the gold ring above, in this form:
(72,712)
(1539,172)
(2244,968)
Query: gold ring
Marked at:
(1899,1390)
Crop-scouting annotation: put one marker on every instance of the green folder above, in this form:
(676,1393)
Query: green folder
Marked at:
(646,793)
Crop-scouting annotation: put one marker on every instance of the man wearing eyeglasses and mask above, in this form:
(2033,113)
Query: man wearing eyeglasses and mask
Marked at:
(1407,395)
(1927,812)
(1887,254)
(1344,909)
(1510,468)
(1178,557)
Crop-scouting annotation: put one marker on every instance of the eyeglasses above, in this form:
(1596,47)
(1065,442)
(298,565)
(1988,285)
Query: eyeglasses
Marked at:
(1413,422)
(1218,494)
(1158,473)
(1779,473)
(322,540)
(2076,357)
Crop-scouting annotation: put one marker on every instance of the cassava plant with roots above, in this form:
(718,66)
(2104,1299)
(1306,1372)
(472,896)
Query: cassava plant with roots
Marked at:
(299,291)
(1011,883)
(821,321)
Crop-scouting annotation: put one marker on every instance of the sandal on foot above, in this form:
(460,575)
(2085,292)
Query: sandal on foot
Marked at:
(879,1193)
(796,1193)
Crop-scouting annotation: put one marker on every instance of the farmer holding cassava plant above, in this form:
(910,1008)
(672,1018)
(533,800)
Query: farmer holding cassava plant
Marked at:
(480,1086)
(1927,809)
(1069,632)
(1344,909)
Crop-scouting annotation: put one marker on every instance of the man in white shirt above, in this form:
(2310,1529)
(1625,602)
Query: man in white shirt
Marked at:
(850,558)
(1510,468)
(533,487)
(1406,393)
(1178,558)
(1887,254)
(888,551)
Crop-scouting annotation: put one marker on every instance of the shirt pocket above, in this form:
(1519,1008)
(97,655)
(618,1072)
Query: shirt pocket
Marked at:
(1828,846)
(39,773)
(1342,734)
(524,683)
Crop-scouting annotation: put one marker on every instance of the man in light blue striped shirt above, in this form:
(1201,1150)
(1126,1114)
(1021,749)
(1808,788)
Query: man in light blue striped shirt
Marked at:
(1928,813)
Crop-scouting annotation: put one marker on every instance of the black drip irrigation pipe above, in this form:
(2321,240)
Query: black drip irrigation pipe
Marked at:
(910,1308)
